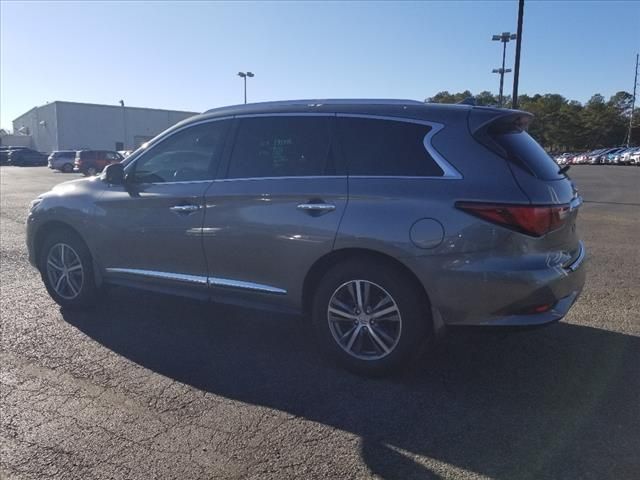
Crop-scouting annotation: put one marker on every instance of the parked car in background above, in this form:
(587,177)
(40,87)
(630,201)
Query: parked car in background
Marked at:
(125,153)
(62,160)
(606,158)
(27,157)
(625,157)
(480,230)
(634,157)
(593,157)
(4,153)
(581,159)
(90,162)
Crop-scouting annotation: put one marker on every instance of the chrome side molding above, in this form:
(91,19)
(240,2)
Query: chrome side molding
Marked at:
(256,287)
(180,277)
(200,280)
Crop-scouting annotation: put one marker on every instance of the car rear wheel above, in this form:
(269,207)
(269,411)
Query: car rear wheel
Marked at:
(67,168)
(371,319)
(67,270)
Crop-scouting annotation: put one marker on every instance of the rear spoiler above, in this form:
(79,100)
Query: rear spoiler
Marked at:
(498,119)
(486,122)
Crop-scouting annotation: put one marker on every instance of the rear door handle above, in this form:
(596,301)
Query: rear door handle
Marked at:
(185,209)
(317,207)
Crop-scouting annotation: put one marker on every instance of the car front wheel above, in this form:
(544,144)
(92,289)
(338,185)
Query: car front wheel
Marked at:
(67,270)
(371,319)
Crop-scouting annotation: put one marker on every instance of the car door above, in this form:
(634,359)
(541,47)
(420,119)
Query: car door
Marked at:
(151,228)
(276,210)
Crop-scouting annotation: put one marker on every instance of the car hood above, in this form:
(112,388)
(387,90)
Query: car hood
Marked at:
(80,186)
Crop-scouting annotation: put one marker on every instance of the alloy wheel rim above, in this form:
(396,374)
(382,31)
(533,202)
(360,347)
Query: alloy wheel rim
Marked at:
(364,320)
(65,271)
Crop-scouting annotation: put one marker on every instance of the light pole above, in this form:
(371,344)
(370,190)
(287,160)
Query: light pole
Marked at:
(124,125)
(501,71)
(244,75)
(504,37)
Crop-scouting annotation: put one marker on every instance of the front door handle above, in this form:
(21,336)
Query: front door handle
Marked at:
(317,208)
(185,209)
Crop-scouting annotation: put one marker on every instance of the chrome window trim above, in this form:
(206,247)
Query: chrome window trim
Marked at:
(200,280)
(185,182)
(449,172)
(256,287)
(197,279)
(289,177)
(286,114)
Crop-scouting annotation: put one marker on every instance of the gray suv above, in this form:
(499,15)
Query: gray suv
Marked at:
(382,221)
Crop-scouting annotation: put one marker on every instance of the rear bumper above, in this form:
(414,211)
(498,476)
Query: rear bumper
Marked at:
(491,292)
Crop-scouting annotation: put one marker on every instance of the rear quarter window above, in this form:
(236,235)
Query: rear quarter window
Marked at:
(375,147)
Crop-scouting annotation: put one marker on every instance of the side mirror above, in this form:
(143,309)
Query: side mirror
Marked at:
(114,174)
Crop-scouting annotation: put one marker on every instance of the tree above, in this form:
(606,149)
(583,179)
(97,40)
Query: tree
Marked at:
(562,124)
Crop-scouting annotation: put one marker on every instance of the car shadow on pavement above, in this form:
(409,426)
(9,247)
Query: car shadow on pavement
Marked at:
(558,402)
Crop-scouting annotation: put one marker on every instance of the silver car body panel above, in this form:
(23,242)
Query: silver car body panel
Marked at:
(248,241)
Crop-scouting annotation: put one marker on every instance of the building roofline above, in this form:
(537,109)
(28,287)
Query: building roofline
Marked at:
(104,105)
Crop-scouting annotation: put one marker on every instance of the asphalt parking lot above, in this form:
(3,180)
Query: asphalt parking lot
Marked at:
(156,387)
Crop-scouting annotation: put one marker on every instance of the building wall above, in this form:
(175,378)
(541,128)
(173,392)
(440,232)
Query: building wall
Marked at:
(42,124)
(16,140)
(102,126)
(71,126)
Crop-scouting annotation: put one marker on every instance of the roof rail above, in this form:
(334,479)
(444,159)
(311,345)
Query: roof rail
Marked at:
(318,102)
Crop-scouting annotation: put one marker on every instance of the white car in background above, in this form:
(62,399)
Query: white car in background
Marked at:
(62,160)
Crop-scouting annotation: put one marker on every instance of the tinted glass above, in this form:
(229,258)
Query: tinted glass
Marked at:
(386,148)
(520,146)
(281,147)
(190,155)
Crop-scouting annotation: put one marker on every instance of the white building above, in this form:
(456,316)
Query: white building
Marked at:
(74,126)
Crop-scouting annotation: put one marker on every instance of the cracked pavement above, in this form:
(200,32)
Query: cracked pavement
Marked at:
(147,386)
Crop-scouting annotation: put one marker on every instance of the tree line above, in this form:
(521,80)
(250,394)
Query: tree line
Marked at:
(561,124)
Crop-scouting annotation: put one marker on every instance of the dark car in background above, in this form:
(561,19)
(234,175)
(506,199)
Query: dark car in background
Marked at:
(90,162)
(4,153)
(62,160)
(381,220)
(26,157)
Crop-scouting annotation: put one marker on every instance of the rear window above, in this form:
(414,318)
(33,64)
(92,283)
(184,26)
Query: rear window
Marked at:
(375,147)
(522,148)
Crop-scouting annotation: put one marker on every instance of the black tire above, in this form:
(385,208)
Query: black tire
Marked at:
(414,313)
(87,291)
(67,168)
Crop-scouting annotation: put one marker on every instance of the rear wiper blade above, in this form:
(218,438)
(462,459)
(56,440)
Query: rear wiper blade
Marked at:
(564,169)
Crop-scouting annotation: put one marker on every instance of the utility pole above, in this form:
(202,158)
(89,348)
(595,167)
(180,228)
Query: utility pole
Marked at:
(505,37)
(633,102)
(516,66)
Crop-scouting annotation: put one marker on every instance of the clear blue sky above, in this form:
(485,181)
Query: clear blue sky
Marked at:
(185,56)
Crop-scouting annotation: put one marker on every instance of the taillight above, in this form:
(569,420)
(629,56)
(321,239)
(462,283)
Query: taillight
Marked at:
(532,220)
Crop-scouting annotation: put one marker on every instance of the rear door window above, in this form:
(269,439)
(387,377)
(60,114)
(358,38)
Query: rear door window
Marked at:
(374,147)
(282,146)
